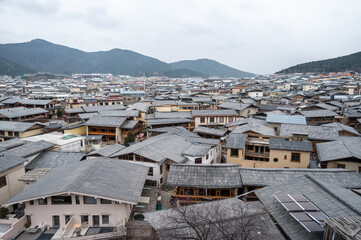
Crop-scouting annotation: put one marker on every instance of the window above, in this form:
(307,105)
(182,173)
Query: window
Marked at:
(161,180)
(203,119)
(77,200)
(43,201)
(105,219)
(2,181)
(211,119)
(67,218)
(198,160)
(105,201)
(89,200)
(84,218)
(161,169)
(275,159)
(359,169)
(221,119)
(61,200)
(249,147)
(150,173)
(341,166)
(230,119)
(295,157)
(31,202)
(285,157)
(234,152)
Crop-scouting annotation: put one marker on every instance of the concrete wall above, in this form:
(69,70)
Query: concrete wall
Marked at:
(42,214)
(348,165)
(283,157)
(78,131)
(31,133)
(13,186)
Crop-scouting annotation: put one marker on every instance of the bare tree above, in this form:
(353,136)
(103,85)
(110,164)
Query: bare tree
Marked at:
(226,219)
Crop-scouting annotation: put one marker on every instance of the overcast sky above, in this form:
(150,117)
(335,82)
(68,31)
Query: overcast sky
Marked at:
(251,35)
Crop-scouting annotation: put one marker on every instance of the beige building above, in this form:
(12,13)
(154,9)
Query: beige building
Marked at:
(11,169)
(10,130)
(209,118)
(344,153)
(265,152)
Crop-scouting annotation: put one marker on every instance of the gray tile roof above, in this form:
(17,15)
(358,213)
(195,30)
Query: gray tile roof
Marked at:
(178,130)
(201,99)
(210,113)
(27,101)
(318,113)
(162,147)
(283,144)
(326,106)
(210,131)
(21,112)
(236,140)
(165,121)
(173,115)
(129,124)
(15,126)
(74,110)
(342,127)
(35,174)
(12,143)
(86,116)
(53,159)
(271,176)
(107,150)
(234,106)
(205,176)
(290,119)
(314,132)
(346,147)
(104,108)
(7,162)
(29,149)
(245,121)
(232,209)
(102,177)
(120,113)
(102,121)
(255,127)
(333,200)
(142,107)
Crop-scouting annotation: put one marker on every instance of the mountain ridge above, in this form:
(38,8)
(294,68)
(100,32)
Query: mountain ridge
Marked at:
(45,56)
(351,62)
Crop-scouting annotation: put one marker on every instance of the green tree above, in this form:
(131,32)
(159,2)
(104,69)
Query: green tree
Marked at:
(59,113)
(129,138)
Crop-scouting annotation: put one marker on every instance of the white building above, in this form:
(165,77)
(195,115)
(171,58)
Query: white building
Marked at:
(63,142)
(92,193)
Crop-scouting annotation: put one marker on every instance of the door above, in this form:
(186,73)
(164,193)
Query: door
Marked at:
(95,220)
(56,221)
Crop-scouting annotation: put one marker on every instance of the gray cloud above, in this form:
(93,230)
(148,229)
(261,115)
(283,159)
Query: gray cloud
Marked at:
(260,36)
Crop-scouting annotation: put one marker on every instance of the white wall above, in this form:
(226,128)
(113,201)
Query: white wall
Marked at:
(13,186)
(42,214)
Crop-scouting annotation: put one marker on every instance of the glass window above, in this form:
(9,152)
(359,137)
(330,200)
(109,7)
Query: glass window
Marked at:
(234,152)
(84,218)
(105,201)
(150,173)
(2,181)
(198,160)
(295,157)
(203,119)
(105,219)
(61,200)
(77,200)
(31,202)
(89,200)
(341,166)
(211,119)
(221,119)
(43,201)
